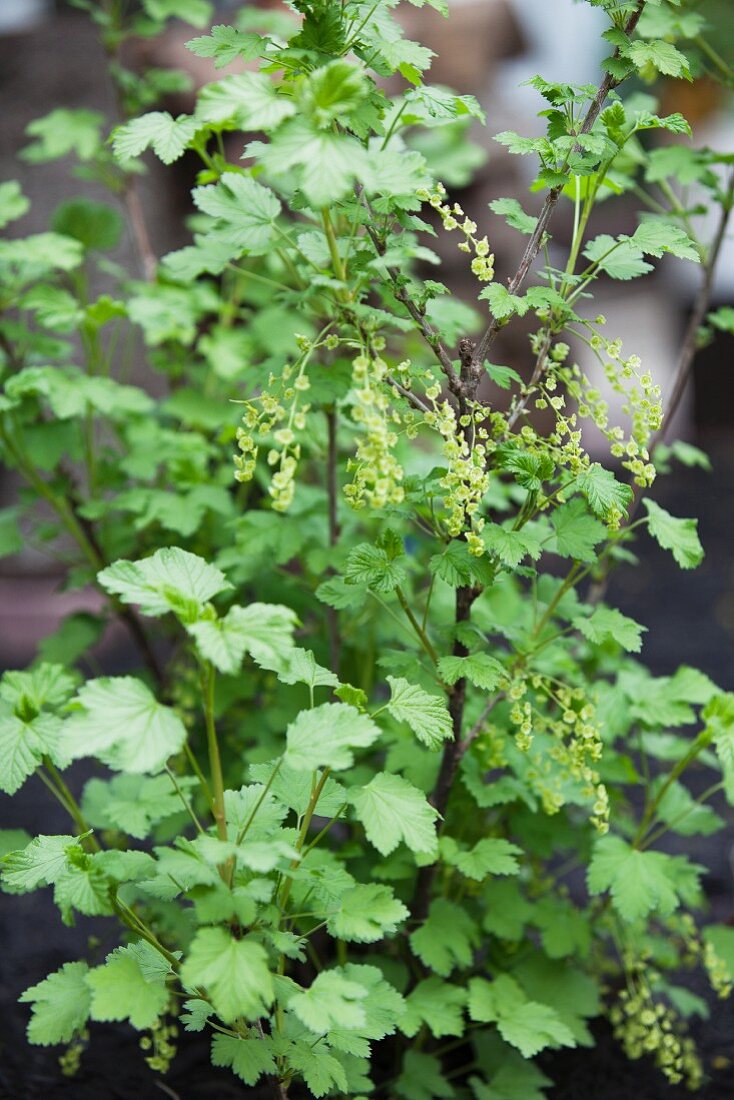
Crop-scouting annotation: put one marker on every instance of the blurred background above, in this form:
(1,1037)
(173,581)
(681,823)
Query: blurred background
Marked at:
(50,58)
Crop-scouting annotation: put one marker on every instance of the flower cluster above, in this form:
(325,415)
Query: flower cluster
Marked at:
(378,475)
(70,1060)
(453,217)
(642,404)
(571,746)
(718,972)
(644,1026)
(277,413)
(466,479)
(160,1046)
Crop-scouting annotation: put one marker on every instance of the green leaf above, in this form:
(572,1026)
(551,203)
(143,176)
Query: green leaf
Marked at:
(446,939)
(169,580)
(426,714)
(122,723)
(331,1001)
(226,44)
(722,319)
(375,568)
(516,1079)
(97,226)
(453,565)
(437,1004)
(120,991)
(234,973)
(321,1071)
(680,811)
(40,863)
(607,497)
(325,164)
(248,101)
(11,537)
(333,90)
(132,803)
(619,259)
(326,736)
(24,743)
(248,1058)
(196,12)
(639,881)
(60,1005)
(62,132)
(422,1078)
(502,376)
(168,137)
(393,810)
(510,546)
(514,215)
(82,886)
(655,237)
(299,666)
(13,203)
(680,536)
(607,623)
(666,700)
(489,856)
(577,532)
(718,715)
(265,631)
(528,1025)
(244,210)
(479,669)
(366,914)
(662,55)
(502,303)
(197,1014)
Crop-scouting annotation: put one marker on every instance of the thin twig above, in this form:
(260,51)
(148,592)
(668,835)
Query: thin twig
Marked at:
(700,308)
(537,374)
(418,314)
(139,229)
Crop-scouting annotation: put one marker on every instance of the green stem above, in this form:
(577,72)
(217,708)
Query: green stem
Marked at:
(215,760)
(135,924)
(245,828)
(336,261)
(303,833)
(196,767)
(716,58)
(663,829)
(320,836)
(420,632)
(186,804)
(55,783)
(702,742)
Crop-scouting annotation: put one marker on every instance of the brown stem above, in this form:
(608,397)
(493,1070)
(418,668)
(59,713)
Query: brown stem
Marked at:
(535,243)
(700,308)
(429,333)
(139,229)
(537,374)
